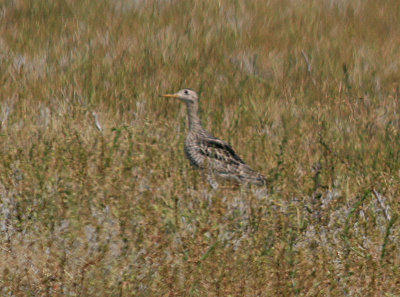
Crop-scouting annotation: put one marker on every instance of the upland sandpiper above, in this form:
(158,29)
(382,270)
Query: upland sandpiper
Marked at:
(209,153)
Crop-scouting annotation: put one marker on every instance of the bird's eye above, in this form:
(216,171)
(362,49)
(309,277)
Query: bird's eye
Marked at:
(186,92)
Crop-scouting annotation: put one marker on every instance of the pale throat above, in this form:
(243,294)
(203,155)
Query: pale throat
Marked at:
(193,116)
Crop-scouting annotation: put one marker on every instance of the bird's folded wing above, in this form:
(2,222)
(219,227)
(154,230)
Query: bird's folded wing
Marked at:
(222,159)
(219,150)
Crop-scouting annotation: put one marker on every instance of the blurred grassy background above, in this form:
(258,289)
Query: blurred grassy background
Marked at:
(306,91)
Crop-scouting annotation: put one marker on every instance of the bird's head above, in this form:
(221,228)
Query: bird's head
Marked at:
(186,95)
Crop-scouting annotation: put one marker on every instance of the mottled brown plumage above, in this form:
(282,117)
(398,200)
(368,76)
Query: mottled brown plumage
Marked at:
(209,153)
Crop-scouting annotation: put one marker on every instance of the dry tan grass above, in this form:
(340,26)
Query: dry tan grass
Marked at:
(306,91)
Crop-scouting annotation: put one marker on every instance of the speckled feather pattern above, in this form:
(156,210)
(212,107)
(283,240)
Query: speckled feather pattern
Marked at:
(218,157)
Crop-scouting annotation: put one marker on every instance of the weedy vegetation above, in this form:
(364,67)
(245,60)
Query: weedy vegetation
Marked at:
(97,198)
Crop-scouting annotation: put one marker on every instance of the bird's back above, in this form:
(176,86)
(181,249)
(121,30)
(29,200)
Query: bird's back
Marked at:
(205,151)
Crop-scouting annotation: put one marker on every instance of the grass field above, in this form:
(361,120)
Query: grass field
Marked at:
(307,92)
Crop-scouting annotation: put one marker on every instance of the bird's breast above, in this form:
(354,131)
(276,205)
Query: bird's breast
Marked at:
(192,149)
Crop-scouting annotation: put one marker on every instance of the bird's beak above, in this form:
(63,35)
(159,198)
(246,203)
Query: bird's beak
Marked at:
(170,96)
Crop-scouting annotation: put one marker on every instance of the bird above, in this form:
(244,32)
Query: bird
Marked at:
(210,154)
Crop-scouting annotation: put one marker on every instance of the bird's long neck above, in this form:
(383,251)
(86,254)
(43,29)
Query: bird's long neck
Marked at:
(193,115)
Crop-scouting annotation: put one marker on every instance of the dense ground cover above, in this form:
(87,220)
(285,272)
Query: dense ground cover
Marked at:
(306,91)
